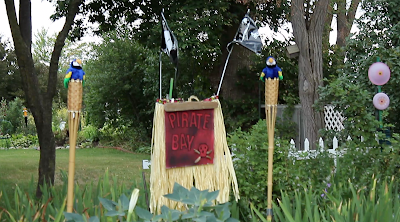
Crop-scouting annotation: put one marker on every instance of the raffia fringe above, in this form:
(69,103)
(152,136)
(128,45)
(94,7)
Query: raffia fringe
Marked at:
(218,176)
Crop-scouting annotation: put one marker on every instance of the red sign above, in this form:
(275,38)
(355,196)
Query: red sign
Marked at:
(189,138)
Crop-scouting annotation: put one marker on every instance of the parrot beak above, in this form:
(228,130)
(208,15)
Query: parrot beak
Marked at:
(271,60)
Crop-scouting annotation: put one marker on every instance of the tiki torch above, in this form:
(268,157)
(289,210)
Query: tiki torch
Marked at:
(271,75)
(74,108)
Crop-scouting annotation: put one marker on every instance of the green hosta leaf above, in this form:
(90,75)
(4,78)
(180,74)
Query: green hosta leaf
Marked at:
(124,201)
(198,197)
(159,217)
(168,214)
(201,219)
(164,214)
(114,213)
(206,214)
(190,200)
(142,213)
(94,219)
(73,217)
(189,214)
(108,204)
(212,195)
(179,193)
(194,197)
(165,210)
(223,212)
(175,215)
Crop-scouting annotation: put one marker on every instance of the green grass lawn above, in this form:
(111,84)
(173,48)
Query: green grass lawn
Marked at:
(20,166)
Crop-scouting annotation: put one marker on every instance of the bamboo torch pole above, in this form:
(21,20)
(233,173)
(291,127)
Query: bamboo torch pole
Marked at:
(271,100)
(74,107)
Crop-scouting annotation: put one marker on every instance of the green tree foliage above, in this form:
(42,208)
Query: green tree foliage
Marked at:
(15,115)
(192,22)
(122,83)
(203,29)
(41,52)
(10,84)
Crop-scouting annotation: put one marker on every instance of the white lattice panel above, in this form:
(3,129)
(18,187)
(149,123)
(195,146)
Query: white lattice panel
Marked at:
(333,119)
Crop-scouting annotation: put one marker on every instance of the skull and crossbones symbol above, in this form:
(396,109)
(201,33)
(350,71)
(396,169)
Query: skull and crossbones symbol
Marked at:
(202,151)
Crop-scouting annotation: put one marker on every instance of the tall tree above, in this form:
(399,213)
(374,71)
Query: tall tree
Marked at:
(39,101)
(308,21)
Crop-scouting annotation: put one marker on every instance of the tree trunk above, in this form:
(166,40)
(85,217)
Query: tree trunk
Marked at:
(308,34)
(345,19)
(240,57)
(25,22)
(40,103)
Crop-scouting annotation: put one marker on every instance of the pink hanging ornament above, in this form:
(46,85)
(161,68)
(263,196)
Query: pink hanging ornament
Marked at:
(381,101)
(379,73)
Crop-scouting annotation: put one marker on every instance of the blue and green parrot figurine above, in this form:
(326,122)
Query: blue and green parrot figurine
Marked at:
(75,72)
(271,70)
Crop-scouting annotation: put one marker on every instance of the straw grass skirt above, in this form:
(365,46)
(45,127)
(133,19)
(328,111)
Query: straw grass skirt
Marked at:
(217,176)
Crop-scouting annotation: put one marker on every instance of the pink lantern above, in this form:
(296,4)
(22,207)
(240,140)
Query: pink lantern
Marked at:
(379,73)
(381,101)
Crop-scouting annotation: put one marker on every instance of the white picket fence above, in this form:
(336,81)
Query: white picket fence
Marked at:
(307,153)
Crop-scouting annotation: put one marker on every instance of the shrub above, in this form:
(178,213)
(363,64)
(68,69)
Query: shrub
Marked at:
(361,161)
(24,141)
(60,125)
(90,133)
(131,136)
(15,115)
(251,164)
(5,127)
(250,151)
(5,141)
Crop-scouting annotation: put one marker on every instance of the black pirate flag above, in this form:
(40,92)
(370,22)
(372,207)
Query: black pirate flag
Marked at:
(169,44)
(248,36)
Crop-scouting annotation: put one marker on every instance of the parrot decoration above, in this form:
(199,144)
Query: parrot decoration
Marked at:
(271,70)
(74,72)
